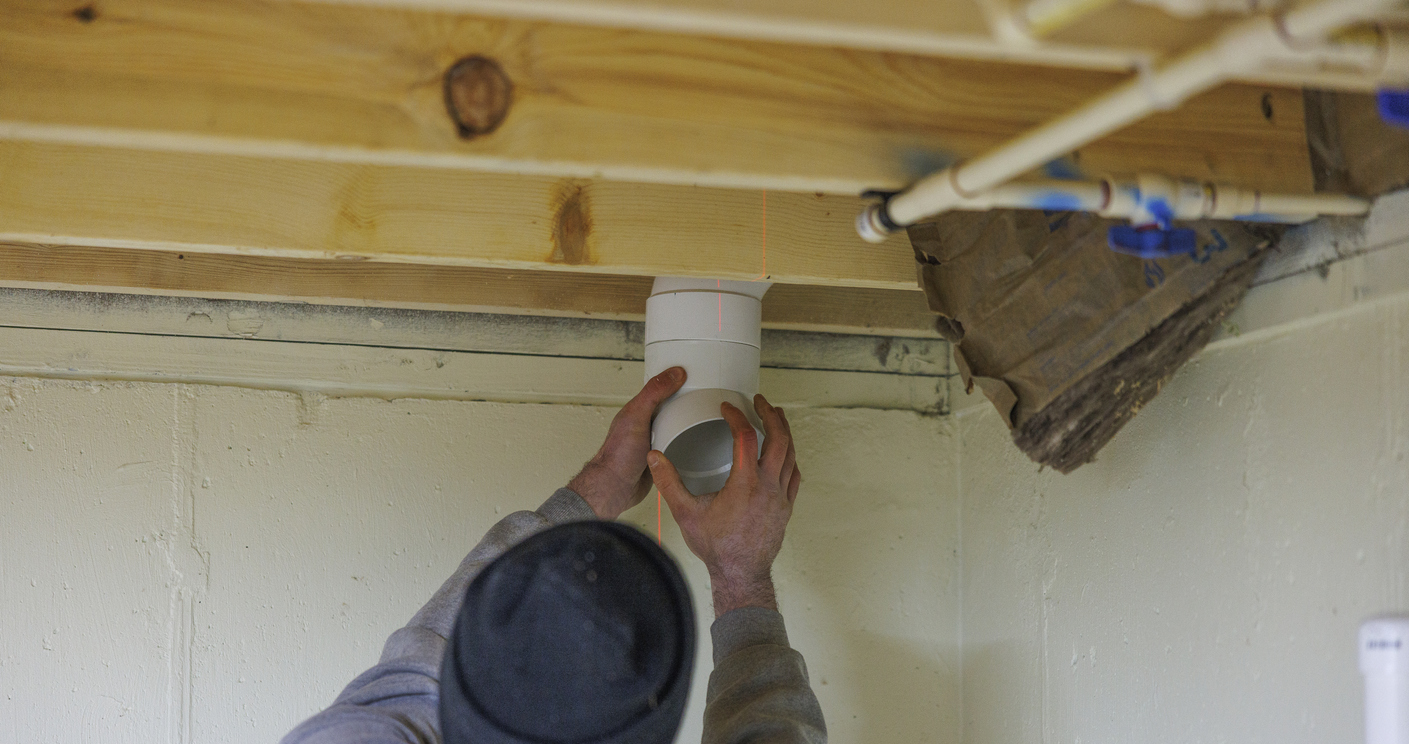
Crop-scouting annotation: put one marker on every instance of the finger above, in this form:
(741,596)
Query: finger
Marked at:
(787,425)
(656,390)
(668,482)
(790,462)
(745,443)
(793,484)
(789,465)
(776,441)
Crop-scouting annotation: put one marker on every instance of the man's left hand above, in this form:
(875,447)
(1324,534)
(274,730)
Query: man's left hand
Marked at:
(616,478)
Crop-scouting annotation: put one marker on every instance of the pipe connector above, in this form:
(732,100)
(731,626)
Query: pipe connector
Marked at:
(874,225)
(712,329)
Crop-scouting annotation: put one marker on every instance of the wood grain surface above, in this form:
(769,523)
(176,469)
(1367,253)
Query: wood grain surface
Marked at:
(364,84)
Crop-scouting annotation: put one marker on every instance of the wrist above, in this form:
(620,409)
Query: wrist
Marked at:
(600,489)
(732,590)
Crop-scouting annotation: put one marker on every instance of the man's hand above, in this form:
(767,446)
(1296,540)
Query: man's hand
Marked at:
(738,531)
(615,479)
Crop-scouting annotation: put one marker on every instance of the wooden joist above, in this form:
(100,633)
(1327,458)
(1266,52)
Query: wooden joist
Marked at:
(361,283)
(356,84)
(291,151)
(112,197)
(1112,39)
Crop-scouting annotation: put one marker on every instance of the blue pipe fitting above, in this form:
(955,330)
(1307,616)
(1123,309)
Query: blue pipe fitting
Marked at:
(1394,107)
(1152,242)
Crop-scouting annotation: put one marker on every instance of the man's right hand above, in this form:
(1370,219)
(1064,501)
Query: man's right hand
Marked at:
(738,531)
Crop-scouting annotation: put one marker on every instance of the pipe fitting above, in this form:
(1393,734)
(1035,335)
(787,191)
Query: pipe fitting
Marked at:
(873,225)
(712,329)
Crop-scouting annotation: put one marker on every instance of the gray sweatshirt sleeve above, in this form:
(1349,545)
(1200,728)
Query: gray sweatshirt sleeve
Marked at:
(398,699)
(759,690)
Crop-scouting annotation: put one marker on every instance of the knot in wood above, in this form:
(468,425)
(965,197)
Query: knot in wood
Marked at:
(477,95)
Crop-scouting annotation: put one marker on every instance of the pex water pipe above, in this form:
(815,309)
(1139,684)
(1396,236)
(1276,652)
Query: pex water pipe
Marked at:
(1148,199)
(1377,54)
(1243,48)
(1042,17)
(711,328)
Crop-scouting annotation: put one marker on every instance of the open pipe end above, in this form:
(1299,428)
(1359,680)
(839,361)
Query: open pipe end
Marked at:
(872,225)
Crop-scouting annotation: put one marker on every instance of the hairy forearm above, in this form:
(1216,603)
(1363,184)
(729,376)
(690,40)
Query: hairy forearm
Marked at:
(733,590)
(606,491)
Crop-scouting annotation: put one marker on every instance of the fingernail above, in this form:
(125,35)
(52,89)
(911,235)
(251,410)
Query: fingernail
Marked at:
(652,459)
(676,373)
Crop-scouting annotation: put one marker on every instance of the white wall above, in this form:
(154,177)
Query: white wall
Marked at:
(1203,580)
(210,563)
(195,563)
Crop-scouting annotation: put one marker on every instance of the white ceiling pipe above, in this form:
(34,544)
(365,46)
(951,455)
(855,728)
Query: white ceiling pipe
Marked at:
(1367,51)
(1363,62)
(711,328)
(1253,206)
(1142,198)
(1042,17)
(1243,48)
(1196,8)
(1145,199)
(1085,196)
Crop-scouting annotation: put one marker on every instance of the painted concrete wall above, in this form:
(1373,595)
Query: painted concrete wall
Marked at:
(211,563)
(192,563)
(1204,579)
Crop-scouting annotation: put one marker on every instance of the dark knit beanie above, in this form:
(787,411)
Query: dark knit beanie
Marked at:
(583,633)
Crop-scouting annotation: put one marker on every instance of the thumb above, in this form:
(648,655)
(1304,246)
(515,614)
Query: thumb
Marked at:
(668,482)
(655,392)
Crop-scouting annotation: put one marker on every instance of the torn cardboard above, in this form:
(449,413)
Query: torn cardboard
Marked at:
(1041,311)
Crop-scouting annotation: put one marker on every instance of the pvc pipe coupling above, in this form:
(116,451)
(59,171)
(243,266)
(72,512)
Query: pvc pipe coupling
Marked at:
(1384,660)
(711,328)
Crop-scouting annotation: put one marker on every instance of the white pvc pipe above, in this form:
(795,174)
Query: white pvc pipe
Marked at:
(1146,198)
(1254,206)
(1046,16)
(1042,17)
(1366,61)
(1239,50)
(712,329)
(1143,199)
(1196,8)
(1363,51)
(1384,660)
(1086,196)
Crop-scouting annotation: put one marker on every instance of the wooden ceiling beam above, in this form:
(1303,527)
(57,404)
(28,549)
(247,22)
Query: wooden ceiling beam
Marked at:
(448,288)
(1116,37)
(113,197)
(357,84)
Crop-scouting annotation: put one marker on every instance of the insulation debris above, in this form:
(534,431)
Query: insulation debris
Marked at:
(1065,337)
